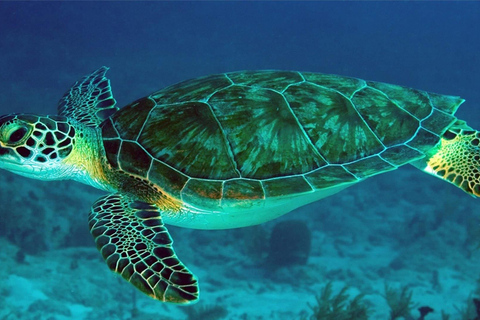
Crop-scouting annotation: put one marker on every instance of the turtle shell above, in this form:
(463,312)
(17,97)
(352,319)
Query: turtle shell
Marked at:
(249,136)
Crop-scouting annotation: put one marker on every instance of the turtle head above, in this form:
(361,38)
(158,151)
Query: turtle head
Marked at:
(35,146)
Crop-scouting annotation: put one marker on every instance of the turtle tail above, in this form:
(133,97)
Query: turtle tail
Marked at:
(457,158)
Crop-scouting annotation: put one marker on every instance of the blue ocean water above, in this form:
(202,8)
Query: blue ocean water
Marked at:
(401,228)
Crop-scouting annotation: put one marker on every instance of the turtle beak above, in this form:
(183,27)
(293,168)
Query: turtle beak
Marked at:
(7,154)
(9,160)
(3,151)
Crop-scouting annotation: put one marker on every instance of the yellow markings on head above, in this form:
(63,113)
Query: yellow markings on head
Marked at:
(457,160)
(85,160)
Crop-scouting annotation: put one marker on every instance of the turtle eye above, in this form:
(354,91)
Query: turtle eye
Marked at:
(16,134)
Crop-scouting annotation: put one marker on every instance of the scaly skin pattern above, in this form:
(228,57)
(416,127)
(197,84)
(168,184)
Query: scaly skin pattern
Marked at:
(38,139)
(134,242)
(52,148)
(457,160)
(86,160)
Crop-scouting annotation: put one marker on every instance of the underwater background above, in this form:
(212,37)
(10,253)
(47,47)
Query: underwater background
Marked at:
(403,240)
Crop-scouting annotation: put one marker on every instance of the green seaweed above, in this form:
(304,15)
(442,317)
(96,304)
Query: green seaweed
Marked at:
(337,307)
(468,310)
(399,301)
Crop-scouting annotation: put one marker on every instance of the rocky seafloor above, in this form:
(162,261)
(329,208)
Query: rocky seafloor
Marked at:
(402,229)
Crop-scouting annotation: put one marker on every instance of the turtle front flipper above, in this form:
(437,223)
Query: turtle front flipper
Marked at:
(89,100)
(135,243)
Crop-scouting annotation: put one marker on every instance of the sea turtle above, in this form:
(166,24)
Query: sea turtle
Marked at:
(229,150)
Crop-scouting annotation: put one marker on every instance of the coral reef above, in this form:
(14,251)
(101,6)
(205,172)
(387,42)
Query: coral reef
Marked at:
(290,243)
(399,300)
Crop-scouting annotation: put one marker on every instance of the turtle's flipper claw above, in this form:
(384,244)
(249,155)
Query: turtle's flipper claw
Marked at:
(135,243)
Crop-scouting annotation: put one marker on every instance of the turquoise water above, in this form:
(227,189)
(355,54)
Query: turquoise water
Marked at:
(402,228)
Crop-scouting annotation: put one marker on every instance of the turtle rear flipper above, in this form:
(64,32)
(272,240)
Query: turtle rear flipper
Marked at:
(456,159)
(134,243)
